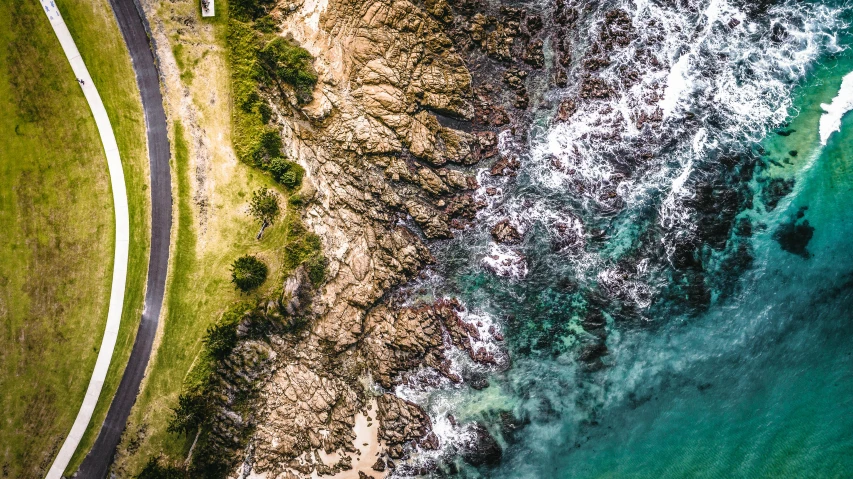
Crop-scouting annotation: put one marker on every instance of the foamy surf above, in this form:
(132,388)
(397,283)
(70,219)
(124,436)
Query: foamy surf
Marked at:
(830,121)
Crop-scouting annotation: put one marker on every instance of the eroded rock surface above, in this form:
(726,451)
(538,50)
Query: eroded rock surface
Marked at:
(384,174)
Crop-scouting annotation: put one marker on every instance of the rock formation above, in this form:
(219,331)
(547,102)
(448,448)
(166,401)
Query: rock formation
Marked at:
(385,143)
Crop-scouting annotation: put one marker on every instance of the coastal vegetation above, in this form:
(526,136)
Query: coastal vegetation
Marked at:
(261,61)
(175,412)
(57,253)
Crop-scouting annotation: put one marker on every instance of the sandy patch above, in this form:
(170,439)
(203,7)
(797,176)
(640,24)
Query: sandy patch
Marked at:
(366,442)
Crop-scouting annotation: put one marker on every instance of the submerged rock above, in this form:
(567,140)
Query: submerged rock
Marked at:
(794,238)
(479,447)
(775,190)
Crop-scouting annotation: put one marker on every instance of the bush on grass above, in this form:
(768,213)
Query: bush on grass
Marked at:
(248,273)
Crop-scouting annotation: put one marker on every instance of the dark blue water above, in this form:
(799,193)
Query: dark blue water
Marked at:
(736,363)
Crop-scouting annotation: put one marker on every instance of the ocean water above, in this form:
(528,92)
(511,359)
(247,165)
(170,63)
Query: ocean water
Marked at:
(737,362)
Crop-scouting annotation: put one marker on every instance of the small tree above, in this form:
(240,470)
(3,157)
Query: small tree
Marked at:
(192,410)
(264,207)
(221,339)
(248,272)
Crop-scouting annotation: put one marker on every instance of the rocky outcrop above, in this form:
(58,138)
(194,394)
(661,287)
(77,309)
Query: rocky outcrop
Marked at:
(304,409)
(401,422)
(505,232)
(480,447)
(402,340)
(384,174)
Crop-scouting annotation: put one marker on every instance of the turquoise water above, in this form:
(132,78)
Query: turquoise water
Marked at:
(757,383)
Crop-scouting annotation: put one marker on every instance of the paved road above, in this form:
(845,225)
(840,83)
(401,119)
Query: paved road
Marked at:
(130,22)
(122,237)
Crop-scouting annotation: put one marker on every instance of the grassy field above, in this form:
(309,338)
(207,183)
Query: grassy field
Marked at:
(57,222)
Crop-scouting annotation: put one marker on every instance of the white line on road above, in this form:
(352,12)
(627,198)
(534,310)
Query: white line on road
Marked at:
(105,354)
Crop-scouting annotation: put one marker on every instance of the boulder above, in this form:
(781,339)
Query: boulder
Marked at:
(479,447)
(505,232)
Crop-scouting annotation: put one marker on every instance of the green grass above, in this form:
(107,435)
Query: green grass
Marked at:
(257,57)
(248,126)
(56,216)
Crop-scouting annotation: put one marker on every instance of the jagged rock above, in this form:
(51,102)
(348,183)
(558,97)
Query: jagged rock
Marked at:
(401,421)
(403,340)
(462,206)
(379,465)
(296,294)
(433,223)
(505,232)
(533,54)
(515,77)
(567,108)
(304,409)
(487,142)
(431,182)
(505,166)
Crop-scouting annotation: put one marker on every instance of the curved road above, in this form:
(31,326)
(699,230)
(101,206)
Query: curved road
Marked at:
(130,22)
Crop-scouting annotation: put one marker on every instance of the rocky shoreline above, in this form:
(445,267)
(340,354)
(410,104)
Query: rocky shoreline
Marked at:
(405,105)
(418,121)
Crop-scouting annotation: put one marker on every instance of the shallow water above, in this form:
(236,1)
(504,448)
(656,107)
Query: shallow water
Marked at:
(757,381)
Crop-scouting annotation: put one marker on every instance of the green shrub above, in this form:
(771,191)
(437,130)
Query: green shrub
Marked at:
(248,272)
(278,167)
(296,200)
(286,172)
(247,10)
(192,410)
(249,102)
(316,267)
(271,142)
(265,111)
(266,24)
(220,339)
(285,62)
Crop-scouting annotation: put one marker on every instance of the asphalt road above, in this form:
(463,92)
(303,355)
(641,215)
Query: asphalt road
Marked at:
(130,22)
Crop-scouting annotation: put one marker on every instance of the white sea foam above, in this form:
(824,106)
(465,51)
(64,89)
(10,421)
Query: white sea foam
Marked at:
(677,84)
(714,62)
(830,121)
(714,83)
(505,262)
